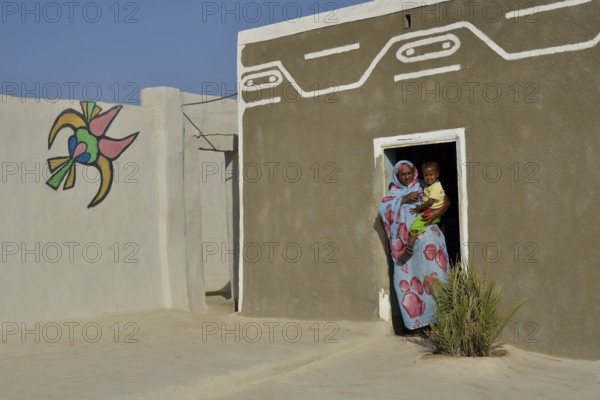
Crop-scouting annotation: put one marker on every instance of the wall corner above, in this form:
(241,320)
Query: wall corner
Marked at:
(166,104)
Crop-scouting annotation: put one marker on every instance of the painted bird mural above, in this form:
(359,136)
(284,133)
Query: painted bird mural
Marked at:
(88,146)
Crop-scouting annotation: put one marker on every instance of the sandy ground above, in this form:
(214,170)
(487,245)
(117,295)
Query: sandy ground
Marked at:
(176,355)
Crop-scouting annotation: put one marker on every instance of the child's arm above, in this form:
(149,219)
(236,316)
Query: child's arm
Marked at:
(422,207)
(426,205)
(437,213)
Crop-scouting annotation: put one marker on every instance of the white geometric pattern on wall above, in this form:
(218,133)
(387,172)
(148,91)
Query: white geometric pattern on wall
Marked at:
(449,43)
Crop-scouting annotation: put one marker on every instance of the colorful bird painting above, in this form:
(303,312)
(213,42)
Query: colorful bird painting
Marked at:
(88,146)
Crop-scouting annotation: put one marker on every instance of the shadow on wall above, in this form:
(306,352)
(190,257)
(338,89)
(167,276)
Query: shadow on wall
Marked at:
(231,288)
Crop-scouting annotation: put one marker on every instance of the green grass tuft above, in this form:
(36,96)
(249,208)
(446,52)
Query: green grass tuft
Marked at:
(468,323)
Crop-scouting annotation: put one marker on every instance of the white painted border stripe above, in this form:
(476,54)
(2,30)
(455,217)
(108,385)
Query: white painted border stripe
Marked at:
(326,19)
(548,7)
(433,31)
(426,72)
(334,50)
(273,100)
(240,124)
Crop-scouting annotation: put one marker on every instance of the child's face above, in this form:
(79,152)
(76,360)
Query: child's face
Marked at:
(430,175)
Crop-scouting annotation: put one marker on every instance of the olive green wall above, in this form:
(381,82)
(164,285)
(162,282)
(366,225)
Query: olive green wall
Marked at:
(541,212)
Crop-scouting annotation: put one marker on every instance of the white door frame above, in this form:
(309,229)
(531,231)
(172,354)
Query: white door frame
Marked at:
(456,135)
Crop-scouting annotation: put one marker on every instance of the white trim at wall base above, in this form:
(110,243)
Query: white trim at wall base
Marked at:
(456,135)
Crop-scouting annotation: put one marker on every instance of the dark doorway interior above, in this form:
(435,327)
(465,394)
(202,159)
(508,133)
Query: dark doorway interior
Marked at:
(445,155)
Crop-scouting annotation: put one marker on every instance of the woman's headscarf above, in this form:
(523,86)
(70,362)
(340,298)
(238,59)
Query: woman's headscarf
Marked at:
(396,182)
(395,215)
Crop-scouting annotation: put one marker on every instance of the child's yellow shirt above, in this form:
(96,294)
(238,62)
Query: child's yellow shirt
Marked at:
(435,192)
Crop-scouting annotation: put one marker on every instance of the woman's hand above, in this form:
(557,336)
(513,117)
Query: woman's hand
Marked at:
(436,213)
(431,216)
(414,196)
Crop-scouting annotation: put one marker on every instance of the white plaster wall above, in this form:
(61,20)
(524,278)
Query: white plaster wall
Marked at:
(193,226)
(215,235)
(209,135)
(143,213)
(165,103)
(216,115)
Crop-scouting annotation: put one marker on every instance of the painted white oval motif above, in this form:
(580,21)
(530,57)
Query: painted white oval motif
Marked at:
(261,80)
(448,45)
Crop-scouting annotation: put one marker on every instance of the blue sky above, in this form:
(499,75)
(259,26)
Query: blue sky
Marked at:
(110,50)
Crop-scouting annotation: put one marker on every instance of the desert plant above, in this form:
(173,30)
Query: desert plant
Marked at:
(468,322)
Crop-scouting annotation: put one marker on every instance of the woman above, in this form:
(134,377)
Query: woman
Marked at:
(429,261)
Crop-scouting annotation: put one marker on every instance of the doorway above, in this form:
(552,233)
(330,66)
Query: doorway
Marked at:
(447,147)
(445,155)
